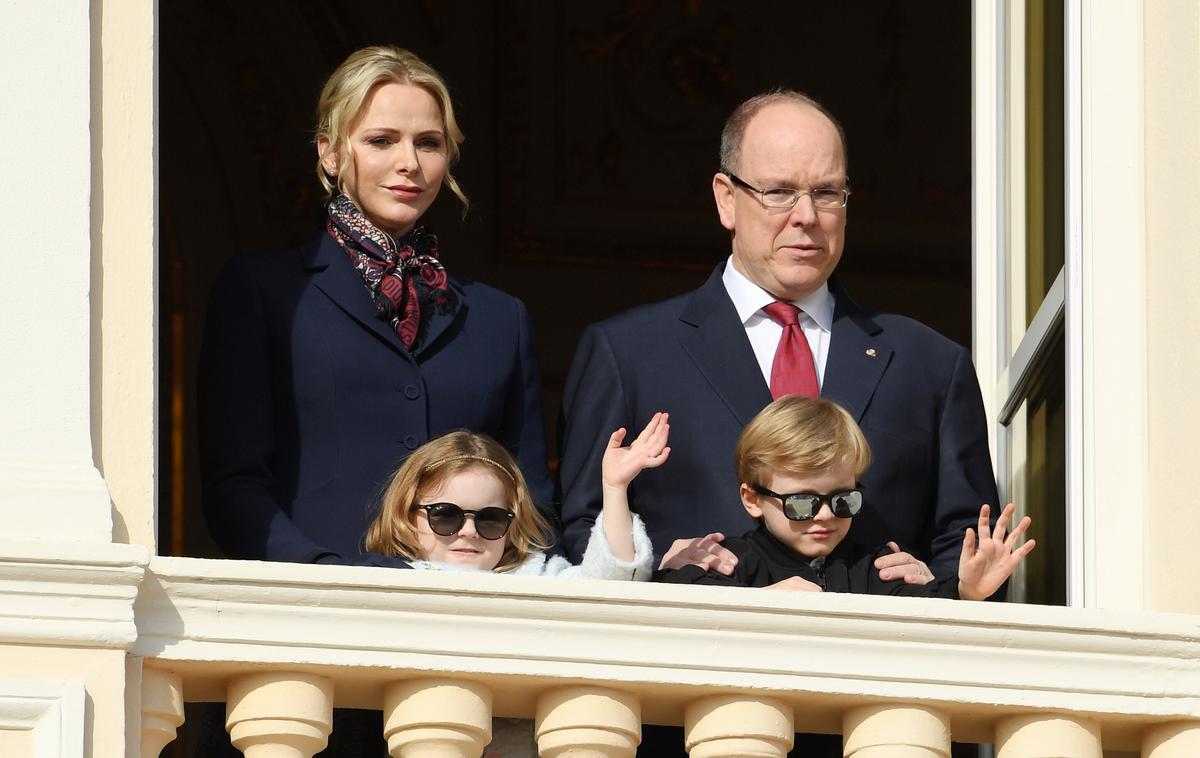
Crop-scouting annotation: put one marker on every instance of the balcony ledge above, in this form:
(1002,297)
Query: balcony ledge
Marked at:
(209,620)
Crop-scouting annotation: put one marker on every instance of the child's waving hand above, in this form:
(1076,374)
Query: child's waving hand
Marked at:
(649,450)
(984,567)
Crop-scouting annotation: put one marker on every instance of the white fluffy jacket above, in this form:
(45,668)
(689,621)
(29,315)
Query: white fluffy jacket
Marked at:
(598,560)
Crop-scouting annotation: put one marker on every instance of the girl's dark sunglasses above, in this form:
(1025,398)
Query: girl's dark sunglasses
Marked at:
(802,506)
(446,519)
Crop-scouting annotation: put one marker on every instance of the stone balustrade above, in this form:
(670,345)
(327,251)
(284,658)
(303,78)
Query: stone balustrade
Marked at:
(441,654)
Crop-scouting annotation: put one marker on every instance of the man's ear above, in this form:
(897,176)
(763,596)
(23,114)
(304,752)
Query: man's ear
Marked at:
(750,500)
(328,155)
(723,193)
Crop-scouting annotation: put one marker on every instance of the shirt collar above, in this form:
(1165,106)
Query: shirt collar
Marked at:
(748,299)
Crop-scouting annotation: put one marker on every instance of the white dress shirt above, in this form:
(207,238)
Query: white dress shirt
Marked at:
(816,319)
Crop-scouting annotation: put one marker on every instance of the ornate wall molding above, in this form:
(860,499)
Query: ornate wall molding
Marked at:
(52,711)
(69,593)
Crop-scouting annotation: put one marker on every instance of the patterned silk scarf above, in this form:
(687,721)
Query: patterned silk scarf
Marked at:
(403,275)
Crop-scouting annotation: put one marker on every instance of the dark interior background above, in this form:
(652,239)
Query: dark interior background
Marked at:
(592,132)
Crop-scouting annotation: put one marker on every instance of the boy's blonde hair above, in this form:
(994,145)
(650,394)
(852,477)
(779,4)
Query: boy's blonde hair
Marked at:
(800,436)
(394,530)
(347,89)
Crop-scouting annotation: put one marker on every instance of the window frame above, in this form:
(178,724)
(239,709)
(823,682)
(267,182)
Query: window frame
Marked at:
(1100,307)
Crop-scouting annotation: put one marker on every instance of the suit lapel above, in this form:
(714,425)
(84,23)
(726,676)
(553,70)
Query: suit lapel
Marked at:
(858,355)
(341,283)
(439,322)
(717,344)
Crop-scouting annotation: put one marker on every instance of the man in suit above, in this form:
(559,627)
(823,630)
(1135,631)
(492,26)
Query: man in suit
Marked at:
(709,358)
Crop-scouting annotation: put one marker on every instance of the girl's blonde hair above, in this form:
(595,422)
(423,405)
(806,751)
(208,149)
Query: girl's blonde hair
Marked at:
(800,436)
(349,86)
(394,530)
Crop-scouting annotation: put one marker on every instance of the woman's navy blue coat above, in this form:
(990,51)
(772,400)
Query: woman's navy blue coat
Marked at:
(308,400)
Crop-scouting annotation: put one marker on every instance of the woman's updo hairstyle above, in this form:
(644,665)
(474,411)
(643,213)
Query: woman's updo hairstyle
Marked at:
(348,87)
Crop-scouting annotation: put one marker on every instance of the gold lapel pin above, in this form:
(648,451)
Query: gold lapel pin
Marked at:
(870,352)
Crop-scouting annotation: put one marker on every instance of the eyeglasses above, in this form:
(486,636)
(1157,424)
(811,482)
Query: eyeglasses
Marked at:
(803,506)
(446,519)
(823,198)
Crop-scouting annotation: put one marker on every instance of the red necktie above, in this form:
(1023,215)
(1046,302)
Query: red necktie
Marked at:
(793,372)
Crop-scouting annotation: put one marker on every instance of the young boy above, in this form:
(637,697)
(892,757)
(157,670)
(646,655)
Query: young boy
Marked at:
(799,461)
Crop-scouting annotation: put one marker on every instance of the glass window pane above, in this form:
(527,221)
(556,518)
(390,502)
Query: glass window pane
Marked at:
(1044,134)
(1043,578)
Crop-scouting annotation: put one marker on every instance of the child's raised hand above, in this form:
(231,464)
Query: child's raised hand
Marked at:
(649,450)
(984,567)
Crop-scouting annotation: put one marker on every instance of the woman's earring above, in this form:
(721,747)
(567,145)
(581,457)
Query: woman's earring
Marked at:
(330,163)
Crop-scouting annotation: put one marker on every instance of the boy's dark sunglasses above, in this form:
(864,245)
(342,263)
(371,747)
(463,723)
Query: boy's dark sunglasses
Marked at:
(803,506)
(446,519)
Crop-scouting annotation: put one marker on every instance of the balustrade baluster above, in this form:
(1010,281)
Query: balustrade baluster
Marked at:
(895,731)
(1047,735)
(437,718)
(279,714)
(162,710)
(1177,739)
(588,722)
(738,727)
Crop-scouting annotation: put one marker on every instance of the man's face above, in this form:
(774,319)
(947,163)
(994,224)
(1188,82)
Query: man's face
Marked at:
(789,252)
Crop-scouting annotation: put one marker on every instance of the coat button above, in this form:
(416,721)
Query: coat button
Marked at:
(412,391)
(411,442)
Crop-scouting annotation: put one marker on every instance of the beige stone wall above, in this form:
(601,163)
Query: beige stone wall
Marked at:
(124,323)
(1172,133)
(16,743)
(103,675)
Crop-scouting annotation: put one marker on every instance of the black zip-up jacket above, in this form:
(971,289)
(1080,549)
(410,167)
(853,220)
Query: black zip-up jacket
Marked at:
(763,560)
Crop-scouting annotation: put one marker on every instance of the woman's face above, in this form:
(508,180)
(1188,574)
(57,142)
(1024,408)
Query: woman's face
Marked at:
(470,489)
(398,156)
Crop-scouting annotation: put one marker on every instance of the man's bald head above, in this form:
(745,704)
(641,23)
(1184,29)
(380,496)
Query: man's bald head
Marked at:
(735,125)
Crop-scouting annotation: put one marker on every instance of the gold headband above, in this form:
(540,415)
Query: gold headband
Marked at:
(480,458)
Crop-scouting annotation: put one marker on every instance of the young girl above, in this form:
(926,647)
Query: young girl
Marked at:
(460,503)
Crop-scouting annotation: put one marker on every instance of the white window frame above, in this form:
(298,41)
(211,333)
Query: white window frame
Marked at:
(1098,301)
(1006,370)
